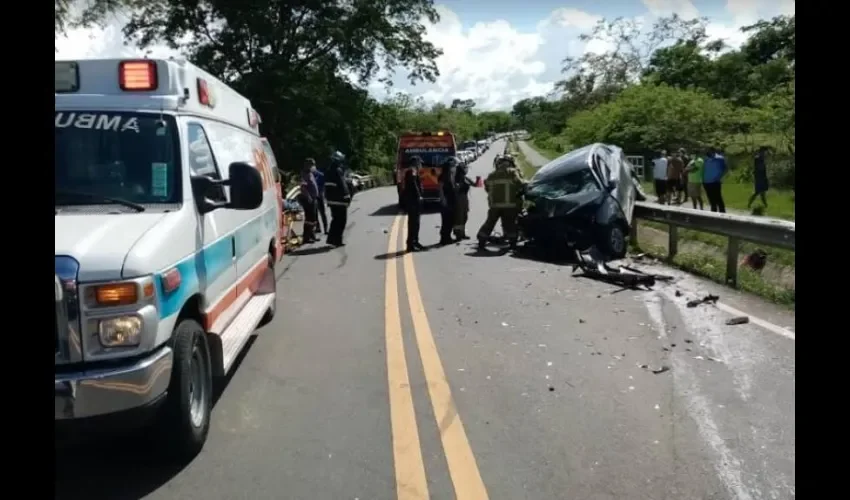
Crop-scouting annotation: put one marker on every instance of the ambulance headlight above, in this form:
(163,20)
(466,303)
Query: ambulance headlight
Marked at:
(123,331)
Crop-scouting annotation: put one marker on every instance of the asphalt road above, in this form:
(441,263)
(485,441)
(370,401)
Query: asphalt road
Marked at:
(453,374)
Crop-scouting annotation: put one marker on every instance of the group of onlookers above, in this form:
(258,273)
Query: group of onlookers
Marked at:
(679,177)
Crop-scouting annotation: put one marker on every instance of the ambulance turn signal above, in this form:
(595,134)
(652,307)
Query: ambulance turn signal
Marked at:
(137,75)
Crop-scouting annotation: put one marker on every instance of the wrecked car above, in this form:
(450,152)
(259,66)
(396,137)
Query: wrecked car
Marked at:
(581,199)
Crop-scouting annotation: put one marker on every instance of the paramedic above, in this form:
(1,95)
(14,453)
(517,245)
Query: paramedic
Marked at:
(503,187)
(338,197)
(448,200)
(308,198)
(411,196)
(462,183)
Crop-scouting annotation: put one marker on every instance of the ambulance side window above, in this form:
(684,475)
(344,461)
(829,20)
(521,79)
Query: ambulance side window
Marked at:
(201,159)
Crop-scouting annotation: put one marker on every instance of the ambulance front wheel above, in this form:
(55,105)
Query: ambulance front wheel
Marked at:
(186,416)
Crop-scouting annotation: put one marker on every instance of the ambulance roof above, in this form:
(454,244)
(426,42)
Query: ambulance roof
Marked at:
(176,86)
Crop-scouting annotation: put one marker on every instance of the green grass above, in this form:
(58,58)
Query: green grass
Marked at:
(714,268)
(527,169)
(548,153)
(780,202)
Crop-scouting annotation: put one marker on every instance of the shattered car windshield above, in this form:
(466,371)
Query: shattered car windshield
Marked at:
(577,181)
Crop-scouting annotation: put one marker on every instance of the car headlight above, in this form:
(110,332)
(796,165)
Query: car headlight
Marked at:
(123,331)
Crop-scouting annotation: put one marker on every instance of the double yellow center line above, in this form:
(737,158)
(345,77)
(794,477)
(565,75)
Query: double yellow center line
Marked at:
(411,482)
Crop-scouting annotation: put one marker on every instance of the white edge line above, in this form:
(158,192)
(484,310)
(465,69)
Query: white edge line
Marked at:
(758,321)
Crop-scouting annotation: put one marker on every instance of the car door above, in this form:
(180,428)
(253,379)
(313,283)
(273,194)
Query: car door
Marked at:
(217,273)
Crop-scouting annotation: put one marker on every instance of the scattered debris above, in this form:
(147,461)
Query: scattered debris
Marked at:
(661,370)
(504,324)
(581,320)
(657,407)
(625,276)
(708,299)
(385,231)
(738,320)
(551,389)
(548,363)
(689,341)
(678,293)
(461,369)
(755,260)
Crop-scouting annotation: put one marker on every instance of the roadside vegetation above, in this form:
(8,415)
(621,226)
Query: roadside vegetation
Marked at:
(674,87)
(306,67)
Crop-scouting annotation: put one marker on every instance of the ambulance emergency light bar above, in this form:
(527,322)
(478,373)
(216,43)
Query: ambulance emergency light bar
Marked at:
(427,134)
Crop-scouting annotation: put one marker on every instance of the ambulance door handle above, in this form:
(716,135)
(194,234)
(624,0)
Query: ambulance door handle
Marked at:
(233,246)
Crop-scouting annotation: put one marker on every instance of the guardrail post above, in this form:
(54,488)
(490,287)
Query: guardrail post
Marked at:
(732,262)
(672,241)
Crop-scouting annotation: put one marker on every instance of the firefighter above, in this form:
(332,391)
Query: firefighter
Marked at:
(503,187)
(308,199)
(411,196)
(337,197)
(448,199)
(462,184)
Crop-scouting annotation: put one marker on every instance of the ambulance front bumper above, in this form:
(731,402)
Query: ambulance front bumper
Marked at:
(98,392)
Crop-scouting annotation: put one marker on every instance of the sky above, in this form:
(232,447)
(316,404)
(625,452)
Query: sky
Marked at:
(496,52)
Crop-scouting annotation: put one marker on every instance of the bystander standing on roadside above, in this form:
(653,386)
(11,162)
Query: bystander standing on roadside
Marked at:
(320,201)
(714,170)
(686,160)
(675,171)
(760,183)
(694,171)
(659,174)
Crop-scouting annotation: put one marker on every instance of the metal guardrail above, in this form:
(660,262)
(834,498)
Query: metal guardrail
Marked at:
(737,228)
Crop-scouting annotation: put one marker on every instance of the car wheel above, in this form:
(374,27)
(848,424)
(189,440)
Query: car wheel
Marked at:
(614,241)
(186,415)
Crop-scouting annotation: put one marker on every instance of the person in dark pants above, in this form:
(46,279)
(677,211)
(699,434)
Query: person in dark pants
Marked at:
(712,179)
(760,184)
(448,200)
(411,196)
(307,198)
(320,201)
(338,198)
(462,183)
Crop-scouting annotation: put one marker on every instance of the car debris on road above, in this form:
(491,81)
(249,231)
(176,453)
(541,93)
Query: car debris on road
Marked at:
(624,275)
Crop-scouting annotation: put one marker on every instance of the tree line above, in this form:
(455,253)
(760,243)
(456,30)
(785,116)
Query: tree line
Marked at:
(305,65)
(673,86)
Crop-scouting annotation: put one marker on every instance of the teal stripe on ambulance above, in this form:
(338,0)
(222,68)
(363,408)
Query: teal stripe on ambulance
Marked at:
(211,262)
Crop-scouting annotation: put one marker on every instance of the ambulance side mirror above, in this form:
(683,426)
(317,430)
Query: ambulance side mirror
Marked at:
(246,187)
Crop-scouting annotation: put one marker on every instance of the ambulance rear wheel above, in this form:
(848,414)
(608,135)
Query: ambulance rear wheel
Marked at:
(185,420)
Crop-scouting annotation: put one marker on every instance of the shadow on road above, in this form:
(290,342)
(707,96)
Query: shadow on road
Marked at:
(391,255)
(390,210)
(121,466)
(311,251)
(387,210)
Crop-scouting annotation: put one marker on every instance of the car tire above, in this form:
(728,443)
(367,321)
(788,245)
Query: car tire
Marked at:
(614,240)
(185,420)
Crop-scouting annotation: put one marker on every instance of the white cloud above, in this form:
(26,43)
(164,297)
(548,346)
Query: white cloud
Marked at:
(490,62)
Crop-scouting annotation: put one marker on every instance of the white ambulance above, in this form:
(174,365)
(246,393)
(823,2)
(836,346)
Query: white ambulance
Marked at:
(167,223)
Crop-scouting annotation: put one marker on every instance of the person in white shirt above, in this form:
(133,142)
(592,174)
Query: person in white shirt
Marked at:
(659,173)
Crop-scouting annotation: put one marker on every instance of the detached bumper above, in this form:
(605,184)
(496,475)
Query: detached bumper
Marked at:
(92,393)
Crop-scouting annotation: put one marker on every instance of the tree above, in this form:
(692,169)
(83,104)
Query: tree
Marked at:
(290,56)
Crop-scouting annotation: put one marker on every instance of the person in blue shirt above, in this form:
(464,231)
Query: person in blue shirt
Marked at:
(320,200)
(712,179)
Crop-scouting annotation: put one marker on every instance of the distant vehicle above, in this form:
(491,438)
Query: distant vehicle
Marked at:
(583,198)
(434,148)
(471,146)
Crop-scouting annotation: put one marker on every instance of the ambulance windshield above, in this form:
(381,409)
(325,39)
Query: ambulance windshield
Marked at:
(132,157)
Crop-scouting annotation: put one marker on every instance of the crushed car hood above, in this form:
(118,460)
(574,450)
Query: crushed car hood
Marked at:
(564,205)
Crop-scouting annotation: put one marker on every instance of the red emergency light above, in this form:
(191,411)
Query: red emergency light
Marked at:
(137,75)
(205,95)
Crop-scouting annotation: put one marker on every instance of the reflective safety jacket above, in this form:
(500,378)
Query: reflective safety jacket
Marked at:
(503,186)
(336,188)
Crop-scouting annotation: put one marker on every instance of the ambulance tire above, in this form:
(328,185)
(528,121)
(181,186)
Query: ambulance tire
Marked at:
(185,420)
(269,316)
